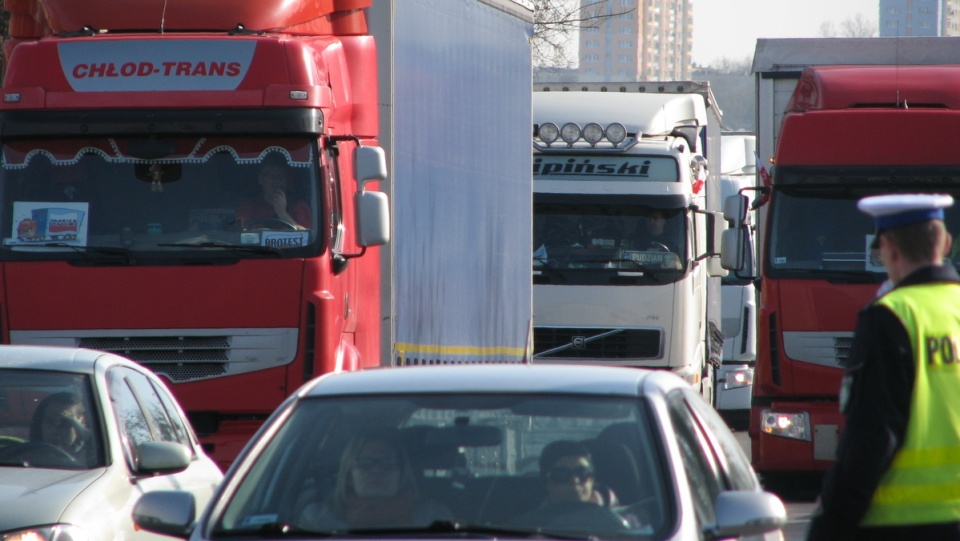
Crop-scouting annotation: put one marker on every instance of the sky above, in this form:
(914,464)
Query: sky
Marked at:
(730,28)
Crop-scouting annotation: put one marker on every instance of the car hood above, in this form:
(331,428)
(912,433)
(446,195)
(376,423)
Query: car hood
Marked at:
(31,496)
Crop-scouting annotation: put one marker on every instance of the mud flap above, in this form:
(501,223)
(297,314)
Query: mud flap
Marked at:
(715,351)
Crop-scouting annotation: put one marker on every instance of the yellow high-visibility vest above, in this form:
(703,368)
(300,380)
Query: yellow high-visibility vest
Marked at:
(923,483)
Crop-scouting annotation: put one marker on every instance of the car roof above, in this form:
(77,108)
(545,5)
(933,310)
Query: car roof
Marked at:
(64,359)
(577,379)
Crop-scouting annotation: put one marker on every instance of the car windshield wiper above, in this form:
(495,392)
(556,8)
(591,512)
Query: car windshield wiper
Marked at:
(450,528)
(274,530)
(235,248)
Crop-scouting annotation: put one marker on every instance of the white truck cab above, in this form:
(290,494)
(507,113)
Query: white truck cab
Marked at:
(626,226)
(734,385)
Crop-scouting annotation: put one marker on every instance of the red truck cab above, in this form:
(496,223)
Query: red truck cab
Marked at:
(847,132)
(155,122)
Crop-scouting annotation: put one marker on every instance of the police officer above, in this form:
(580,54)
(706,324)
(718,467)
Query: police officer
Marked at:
(897,474)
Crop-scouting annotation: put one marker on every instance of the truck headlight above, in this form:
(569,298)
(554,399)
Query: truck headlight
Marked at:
(738,377)
(53,532)
(794,425)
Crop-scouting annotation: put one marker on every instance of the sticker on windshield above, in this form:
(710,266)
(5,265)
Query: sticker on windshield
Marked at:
(873,264)
(284,239)
(258,520)
(44,223)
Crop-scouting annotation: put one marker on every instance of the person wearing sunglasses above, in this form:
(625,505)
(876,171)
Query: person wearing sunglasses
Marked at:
(376,488)
(573,497)
(60,421)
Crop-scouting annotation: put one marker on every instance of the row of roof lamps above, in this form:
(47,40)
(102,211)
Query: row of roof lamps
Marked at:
(571,132)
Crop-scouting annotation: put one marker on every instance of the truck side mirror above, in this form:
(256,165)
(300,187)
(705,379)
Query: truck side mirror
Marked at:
(373,218)
(373,208)
(733,246)
(370,163)
(735,209)
(716,227)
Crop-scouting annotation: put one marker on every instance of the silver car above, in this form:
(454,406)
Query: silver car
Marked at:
(83,434)
(504,451)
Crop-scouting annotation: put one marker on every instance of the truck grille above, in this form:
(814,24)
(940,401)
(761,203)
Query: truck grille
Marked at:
(180,358)
(821,348)
(182,354)
(593,343)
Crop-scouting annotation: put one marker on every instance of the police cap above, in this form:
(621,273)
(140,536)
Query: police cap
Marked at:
(897,210)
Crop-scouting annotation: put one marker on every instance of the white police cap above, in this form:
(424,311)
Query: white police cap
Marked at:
(897,210)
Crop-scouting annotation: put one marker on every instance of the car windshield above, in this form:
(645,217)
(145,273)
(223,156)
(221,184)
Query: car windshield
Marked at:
(48,420)
(127,200)
(513,465)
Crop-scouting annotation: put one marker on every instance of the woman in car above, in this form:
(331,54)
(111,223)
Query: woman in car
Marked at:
(376,488)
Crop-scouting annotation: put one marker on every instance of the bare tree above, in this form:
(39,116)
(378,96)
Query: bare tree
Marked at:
(556,24)
(828,30)
(857,26)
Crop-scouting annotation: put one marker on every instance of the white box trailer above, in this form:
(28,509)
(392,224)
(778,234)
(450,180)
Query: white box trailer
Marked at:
(455,79)
(626,209)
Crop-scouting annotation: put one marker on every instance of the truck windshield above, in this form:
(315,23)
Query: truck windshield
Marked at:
(158,197)
(817,231)
(586,235)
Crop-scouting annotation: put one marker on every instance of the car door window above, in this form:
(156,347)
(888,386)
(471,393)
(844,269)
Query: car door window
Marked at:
(184,433)
(144,410)
(157,414)
(703,473)
(133,425)
(734,462)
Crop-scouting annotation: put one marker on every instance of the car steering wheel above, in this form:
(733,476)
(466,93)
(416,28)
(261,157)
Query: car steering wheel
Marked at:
(659,246)
(579,516)
(643,511)
(38,453)
(265,223)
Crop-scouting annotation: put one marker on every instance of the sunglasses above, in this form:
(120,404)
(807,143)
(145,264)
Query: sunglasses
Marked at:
(559,474)
(381,463)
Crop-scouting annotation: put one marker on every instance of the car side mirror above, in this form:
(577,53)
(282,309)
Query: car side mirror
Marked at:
(743,513)
(166,512)
(162,457)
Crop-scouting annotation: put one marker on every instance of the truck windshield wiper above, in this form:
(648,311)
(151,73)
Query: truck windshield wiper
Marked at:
(849,276)
(123,253)
(545,265)
(236,248)
(636,267)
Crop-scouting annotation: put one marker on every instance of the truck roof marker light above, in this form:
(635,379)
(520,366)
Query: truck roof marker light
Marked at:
(549,133)
(298,95)
(12,97)
(593,133)
(616,133)
(570,132)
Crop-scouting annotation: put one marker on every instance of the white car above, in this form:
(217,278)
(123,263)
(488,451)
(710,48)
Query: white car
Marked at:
(83,434)
(475,451)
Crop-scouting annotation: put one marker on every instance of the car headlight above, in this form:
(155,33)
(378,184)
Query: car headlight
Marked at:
(739,377)
(53,532)
(794,425)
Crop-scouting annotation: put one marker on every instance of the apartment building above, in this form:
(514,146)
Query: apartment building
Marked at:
(636,40)
(919,18)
